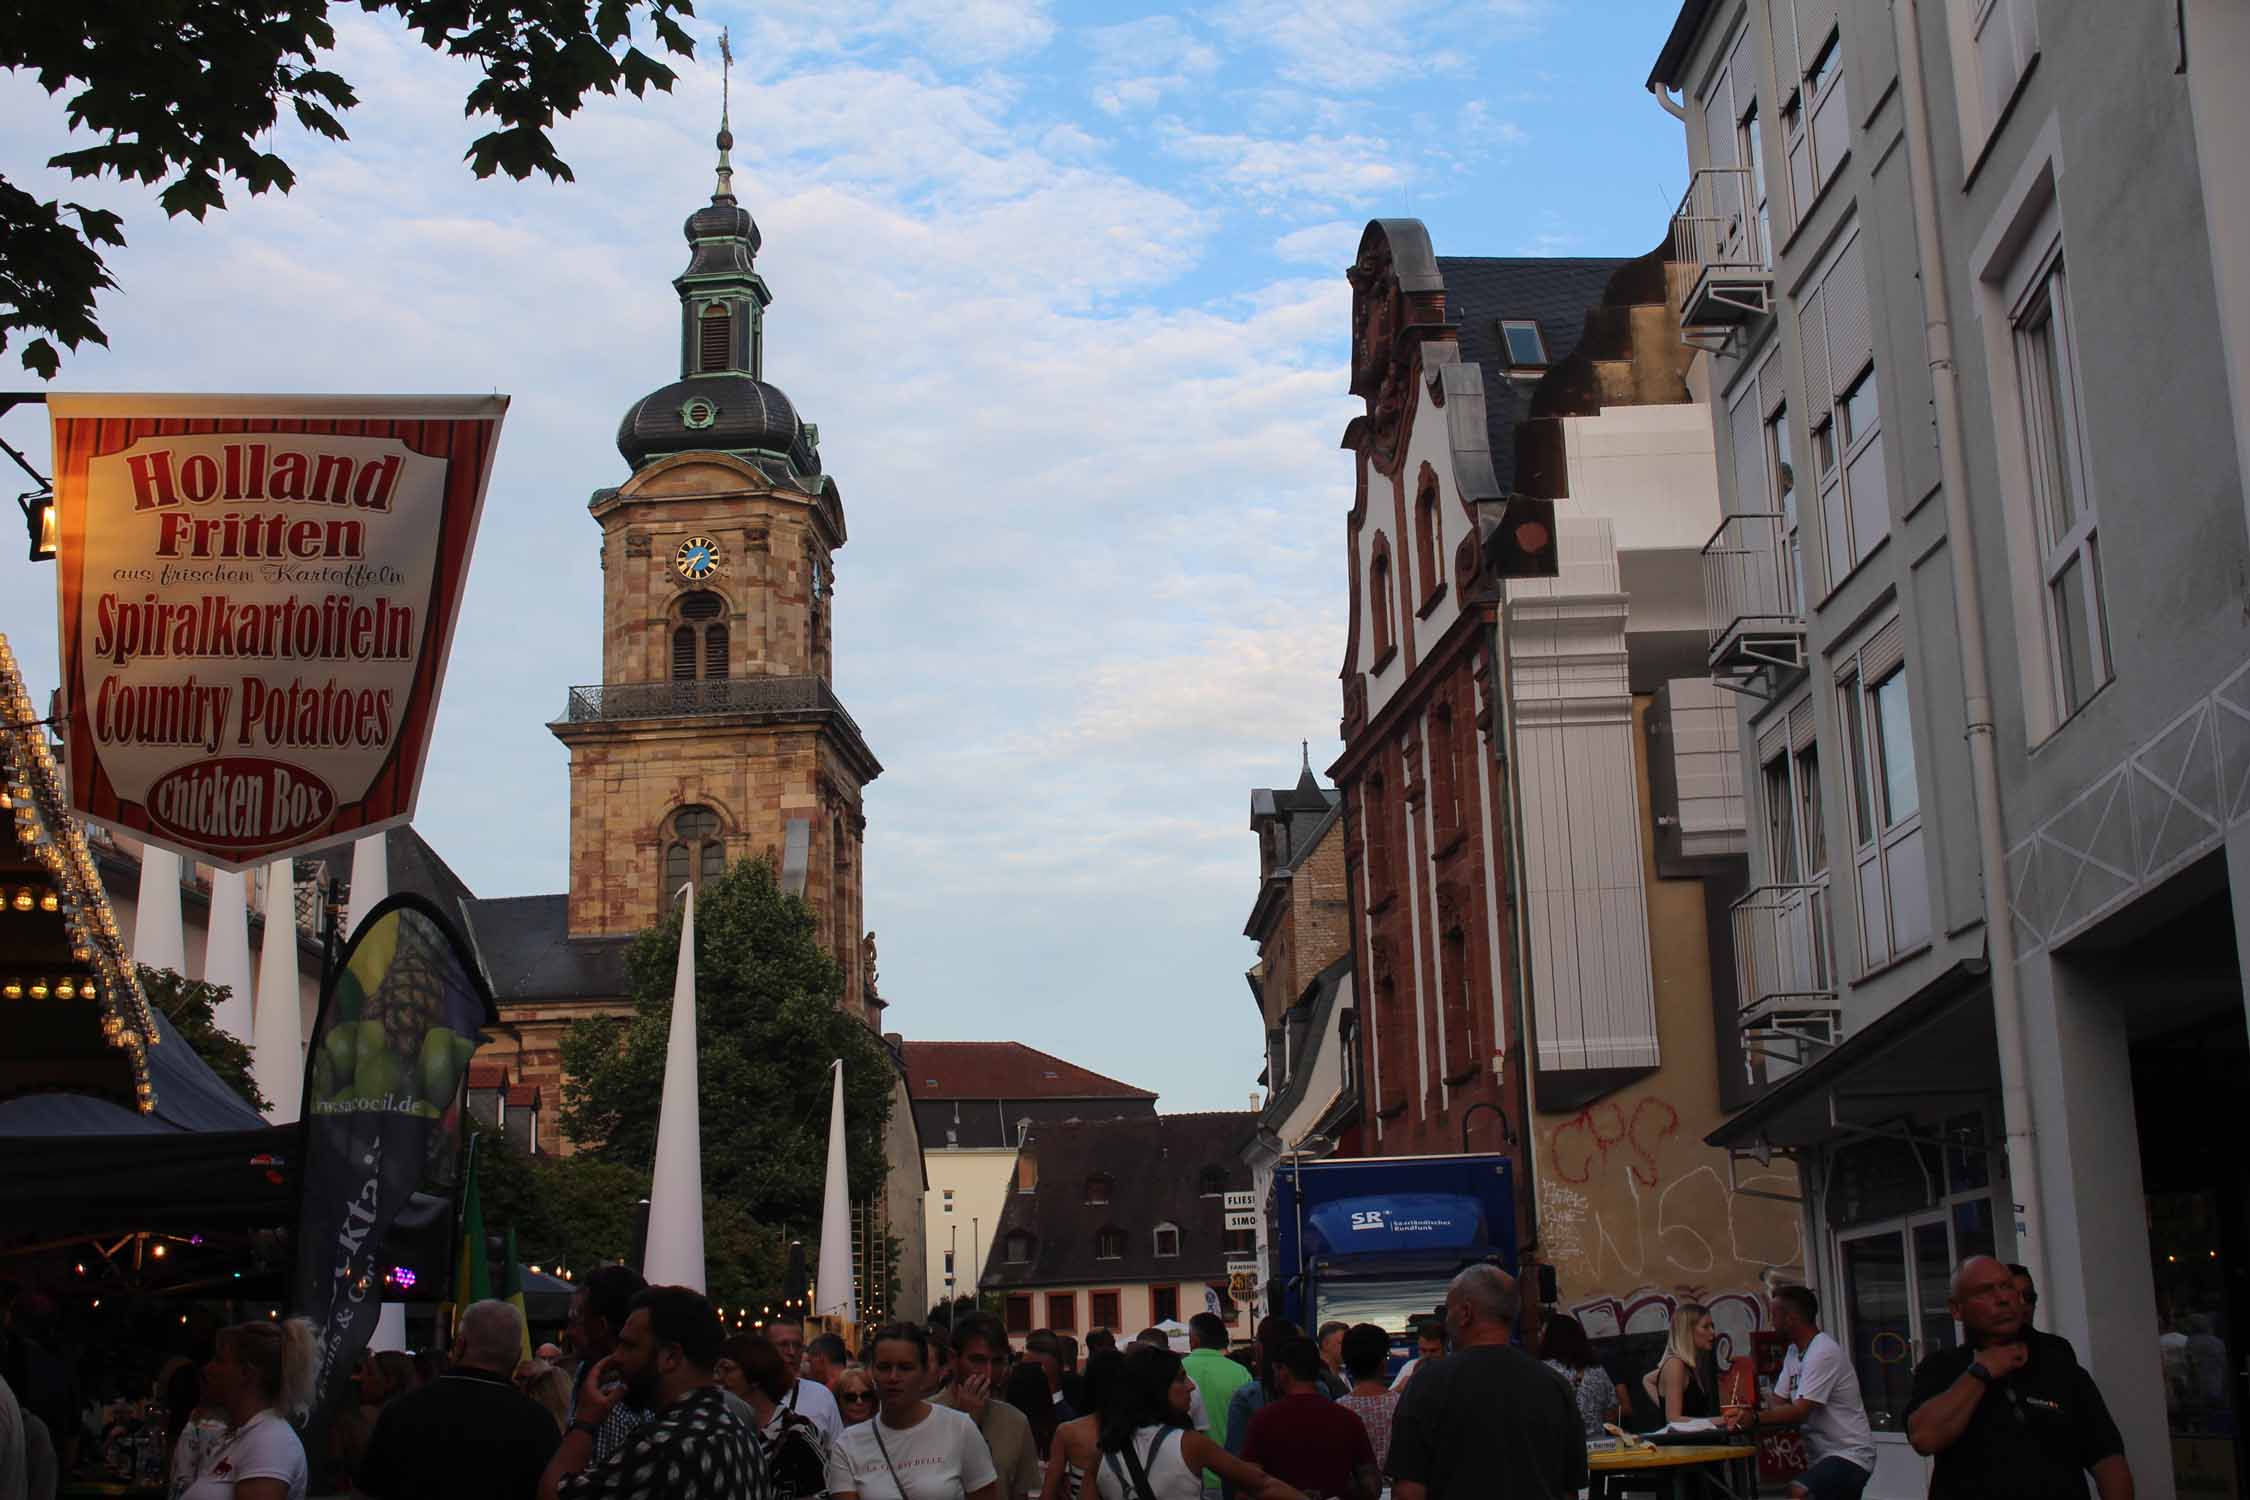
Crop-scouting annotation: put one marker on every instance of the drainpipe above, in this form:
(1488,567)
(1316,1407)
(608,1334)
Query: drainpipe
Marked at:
(1672,107)
(1984,764)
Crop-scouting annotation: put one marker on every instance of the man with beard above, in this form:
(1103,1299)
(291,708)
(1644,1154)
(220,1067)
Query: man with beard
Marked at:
(690,1447)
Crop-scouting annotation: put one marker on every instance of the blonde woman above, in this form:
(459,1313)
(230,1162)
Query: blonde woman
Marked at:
(548,1386)
(1686,1383)
(261,1376)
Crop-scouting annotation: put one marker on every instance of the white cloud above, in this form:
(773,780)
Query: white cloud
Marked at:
(1136,63)
(1359,45)
(1332,244)
(1308,173)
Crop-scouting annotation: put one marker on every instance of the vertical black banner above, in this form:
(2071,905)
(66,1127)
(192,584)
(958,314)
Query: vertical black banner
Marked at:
(383,1099)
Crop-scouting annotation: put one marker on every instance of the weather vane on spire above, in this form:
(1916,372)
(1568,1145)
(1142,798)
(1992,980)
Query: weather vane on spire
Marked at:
(725,189)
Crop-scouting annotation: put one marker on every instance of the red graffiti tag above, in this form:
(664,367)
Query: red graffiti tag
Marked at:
(1585,1140)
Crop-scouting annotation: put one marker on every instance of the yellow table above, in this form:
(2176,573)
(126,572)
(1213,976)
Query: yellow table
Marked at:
(1729,1469)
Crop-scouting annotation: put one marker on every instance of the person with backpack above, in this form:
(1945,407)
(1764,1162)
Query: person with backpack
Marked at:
(1149,1450)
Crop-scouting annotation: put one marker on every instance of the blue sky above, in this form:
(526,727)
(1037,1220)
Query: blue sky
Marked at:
(1062,286)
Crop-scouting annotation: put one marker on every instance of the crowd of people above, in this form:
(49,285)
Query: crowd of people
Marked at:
(653,1399)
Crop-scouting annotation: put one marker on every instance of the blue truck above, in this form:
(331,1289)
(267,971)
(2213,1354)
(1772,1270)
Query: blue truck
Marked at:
(1376,1239)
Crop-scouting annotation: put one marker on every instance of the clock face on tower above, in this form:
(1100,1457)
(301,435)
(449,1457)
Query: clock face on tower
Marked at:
(698,558)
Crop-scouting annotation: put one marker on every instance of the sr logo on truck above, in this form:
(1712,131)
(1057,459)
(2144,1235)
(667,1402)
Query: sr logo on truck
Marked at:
(1371,1218)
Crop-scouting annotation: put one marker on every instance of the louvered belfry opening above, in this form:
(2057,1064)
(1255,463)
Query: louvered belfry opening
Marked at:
(700,640)
(716,337)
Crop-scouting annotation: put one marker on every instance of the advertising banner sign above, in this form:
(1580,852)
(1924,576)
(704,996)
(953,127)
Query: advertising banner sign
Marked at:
(1236,1201)
(257,597)
(1239,1219)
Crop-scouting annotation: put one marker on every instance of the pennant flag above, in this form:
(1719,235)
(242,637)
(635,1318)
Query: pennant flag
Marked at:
(511,1288)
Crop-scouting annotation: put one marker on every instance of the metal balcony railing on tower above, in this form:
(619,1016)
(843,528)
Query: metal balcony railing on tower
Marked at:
(1751,598)
(689,698)
(1785,974)
(1721,266)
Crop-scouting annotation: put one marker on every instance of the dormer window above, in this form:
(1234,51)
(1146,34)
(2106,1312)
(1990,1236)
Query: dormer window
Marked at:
(714,333)
(1097,1188)
(1017,1248)
(1526,349)
(1167,1238)
(1213,1183)
(1109,1244)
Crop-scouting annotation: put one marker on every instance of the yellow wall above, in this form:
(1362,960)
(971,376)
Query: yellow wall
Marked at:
(1635,1212)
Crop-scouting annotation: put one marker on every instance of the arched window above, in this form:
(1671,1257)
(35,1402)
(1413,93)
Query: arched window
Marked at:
(1016,1249)
(699,638)
(1097,1188)
(694,851)
(1109,1244)
(715,339)
(1167,1237)
(1427,551)
(1380,603)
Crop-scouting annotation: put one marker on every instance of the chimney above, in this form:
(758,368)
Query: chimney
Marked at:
(1027,1160)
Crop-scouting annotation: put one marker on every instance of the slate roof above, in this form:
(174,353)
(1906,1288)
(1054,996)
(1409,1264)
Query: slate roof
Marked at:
(1003,1070)
(525,946)
(412,865)
(1555,293)
(1309,807)
(1155,1166)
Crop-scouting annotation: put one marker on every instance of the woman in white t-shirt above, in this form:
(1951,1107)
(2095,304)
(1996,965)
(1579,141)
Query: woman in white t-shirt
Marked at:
(261,1375)
(911,1450)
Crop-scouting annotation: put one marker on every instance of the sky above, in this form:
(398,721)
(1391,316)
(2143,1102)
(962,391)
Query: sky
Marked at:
(1063,288)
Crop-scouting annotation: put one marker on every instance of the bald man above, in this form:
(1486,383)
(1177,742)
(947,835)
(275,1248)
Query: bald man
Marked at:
(1487,1420)
(469,1433)
(2011,1412)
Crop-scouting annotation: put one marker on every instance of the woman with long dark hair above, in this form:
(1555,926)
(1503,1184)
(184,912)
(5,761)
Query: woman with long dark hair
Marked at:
(1148,1449)
(911,1450)
(1026,1390)
(1570,1354)
(1078,1444)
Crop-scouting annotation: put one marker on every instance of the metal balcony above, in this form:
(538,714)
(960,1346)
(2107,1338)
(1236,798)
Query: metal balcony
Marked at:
(1785,976)
(610,701)
(1750,599)
(1721,270)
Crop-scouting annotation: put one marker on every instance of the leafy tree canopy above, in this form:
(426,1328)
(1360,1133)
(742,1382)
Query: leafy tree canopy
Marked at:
(187,93)
(190,1005)
(767,1026)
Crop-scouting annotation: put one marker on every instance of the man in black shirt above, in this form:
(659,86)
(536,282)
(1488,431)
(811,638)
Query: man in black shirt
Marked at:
(2012,1416)
(470,1433)
(1486,1422)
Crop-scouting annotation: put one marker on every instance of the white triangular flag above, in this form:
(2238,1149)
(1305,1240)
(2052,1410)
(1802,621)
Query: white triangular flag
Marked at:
(278,1052)
(832,1283)
(157,940)
(226,952)
(675,1200)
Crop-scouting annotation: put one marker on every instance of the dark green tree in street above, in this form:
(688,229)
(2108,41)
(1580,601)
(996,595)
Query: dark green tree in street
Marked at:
(187,93)
(767,1026)
(190,1005)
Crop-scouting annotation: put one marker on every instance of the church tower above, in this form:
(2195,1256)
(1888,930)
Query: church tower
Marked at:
(715,733)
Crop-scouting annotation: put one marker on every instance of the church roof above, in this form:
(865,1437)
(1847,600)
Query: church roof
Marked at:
(525,946)
(729,412)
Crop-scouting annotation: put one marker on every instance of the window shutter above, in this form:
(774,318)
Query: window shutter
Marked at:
(1773,740)
(1812,337)
(1850,327)
(683,654)
(717,333)
(1746,429)
(700,606)
(715,650)
(1801,725)
(1885,649)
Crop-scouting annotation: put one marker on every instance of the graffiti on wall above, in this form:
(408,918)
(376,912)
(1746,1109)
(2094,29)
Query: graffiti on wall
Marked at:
(1630,1200)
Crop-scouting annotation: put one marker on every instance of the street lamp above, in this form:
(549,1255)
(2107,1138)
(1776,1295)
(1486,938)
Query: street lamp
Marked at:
(39,519)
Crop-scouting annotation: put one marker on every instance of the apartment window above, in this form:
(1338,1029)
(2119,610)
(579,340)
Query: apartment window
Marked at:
(1019,1313)
(1750,146)
(2062,502)
(1894,899)
(949,1200)
(1805,770)
(1835,330)
(1167,1239)
(1525,347)
(2003,39)
(1239,1243)
(1097,1188)
(1109,1244)
(1102,1311)
(1781,822)
(1062,1311)
(949,1265)
(1831,117)
(1783,478)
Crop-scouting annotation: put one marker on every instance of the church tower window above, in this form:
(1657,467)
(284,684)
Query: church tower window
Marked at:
(699,638)
(694,853)
(715,333)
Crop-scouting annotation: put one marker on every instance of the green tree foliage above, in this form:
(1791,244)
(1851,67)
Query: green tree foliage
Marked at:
(188,92)
(190,1004)
(767,1026)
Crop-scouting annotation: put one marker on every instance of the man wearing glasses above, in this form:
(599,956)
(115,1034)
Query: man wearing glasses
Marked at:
(2013,1413)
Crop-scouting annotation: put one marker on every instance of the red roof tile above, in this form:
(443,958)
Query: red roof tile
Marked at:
(488,1075)
(523,1096)
(1003,1070)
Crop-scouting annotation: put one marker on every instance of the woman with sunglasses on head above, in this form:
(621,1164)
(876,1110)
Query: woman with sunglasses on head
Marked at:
(854,1391)
(1150,1451)
(911,1450)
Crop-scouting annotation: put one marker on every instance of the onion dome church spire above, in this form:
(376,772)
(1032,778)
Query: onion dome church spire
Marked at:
(721,400)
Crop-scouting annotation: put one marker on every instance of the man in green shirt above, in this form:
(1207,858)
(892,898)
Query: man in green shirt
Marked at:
(1216,1377)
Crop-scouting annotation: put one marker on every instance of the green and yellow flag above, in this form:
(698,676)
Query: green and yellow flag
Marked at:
(511,1288)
